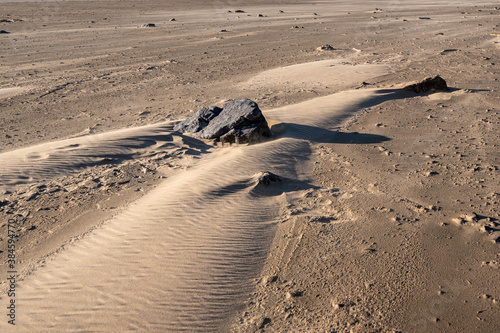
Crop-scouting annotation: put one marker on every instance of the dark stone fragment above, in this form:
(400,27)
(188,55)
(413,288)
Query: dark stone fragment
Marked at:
(240,121)
(266,321)
(199,120)
(266,178)
(427,84)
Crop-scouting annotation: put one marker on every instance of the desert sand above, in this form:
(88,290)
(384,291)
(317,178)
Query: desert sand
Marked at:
(386,216)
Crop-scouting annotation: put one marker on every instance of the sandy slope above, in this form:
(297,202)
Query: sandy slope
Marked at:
(387,215)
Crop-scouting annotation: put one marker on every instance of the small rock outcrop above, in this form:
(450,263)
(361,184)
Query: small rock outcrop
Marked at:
(148,25)
(239,121)
(266,178)
(326,47)
(430,83)
(199,120)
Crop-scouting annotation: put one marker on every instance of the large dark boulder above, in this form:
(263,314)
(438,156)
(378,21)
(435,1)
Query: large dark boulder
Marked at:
(430,83)
(199,120)
(240,121)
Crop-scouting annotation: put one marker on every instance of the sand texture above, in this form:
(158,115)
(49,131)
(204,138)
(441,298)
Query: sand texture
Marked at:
(383,217)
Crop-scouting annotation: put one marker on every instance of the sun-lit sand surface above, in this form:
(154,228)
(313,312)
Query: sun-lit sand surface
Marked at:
(6,92)
(55,159)
(386,215)
(310,75)
(197,240)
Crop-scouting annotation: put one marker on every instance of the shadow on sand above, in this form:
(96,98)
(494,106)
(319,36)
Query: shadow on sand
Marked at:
(320,135)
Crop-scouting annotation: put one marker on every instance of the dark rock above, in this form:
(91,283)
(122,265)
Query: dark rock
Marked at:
(239,11)
(495,238)
(427,84)
(240,121)
(244,135)
(296,293)
(199,120)
(326,47)
(448,51)
(266,178)
(148,25)
(10,20)
(4,32)
(266,321)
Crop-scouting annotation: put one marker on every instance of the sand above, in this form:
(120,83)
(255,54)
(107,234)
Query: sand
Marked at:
(386,216)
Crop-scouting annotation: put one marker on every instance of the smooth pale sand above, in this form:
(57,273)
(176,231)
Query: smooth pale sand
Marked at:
(125,224)
(319,73)
(6,92)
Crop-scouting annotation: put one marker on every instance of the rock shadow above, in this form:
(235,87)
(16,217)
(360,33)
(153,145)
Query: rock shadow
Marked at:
(320,135)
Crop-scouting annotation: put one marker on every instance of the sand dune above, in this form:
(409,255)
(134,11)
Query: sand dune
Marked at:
(386,216)
(185,256)
(179,259)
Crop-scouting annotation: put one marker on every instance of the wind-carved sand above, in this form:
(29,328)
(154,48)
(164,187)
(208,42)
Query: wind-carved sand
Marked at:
(385,221)
(185,256)
(7,92)
(333,72)
(55,159)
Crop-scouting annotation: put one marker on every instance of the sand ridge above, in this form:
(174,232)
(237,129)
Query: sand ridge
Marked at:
(6,92)
(161,219)
(386,216)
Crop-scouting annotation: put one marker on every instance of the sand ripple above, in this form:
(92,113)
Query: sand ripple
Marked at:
(55,159)
(179,259)
(185,256)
